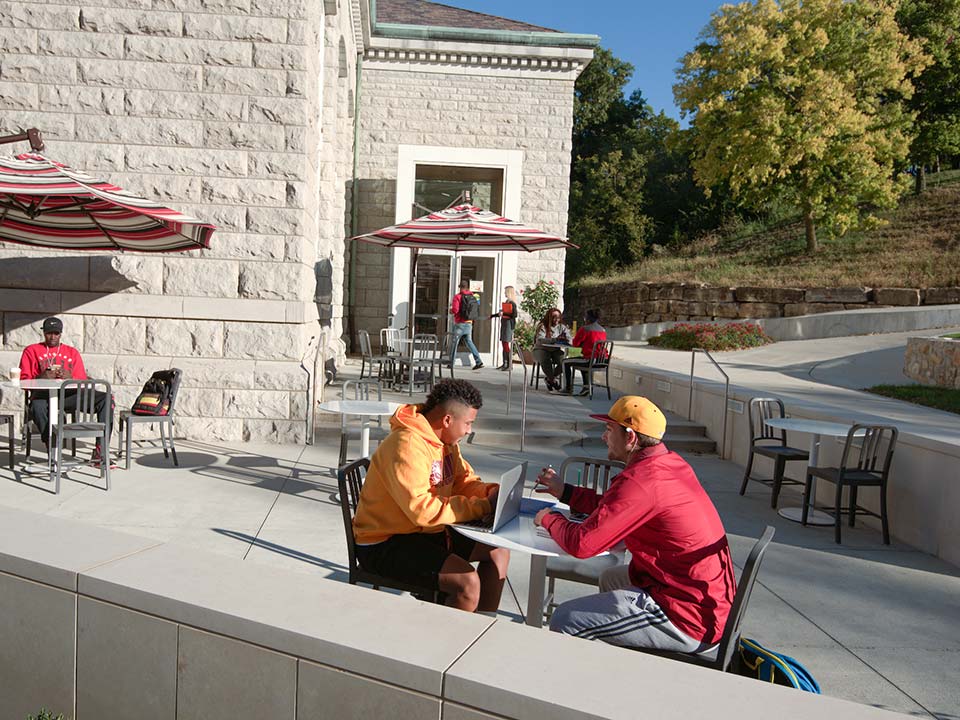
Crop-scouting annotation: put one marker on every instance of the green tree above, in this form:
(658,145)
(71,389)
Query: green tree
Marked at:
(936,100)
(802,101)
(608,169)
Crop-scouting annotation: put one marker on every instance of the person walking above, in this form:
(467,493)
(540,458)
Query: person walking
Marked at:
(465,308)
(508,321)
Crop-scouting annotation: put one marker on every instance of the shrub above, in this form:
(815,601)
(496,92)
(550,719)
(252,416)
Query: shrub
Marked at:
(710,336)
(535,301)
(46,715)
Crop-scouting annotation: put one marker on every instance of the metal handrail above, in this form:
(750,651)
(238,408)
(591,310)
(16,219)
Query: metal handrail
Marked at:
(518,351)
(726,395)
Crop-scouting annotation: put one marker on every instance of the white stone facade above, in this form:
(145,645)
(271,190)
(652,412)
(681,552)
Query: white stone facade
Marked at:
(242,112)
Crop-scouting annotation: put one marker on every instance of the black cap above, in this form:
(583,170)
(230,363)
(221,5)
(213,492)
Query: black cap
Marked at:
(52,324)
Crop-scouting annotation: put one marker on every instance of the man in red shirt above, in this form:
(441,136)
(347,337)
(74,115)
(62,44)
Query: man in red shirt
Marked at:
(589,334)
(677,590)
(51,359)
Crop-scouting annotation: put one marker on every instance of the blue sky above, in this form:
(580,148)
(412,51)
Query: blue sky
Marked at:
(652,36)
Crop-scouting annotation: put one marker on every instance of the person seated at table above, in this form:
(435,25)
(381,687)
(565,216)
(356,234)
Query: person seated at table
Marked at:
(417,484)
(677,590)
(54,360)
(551,332)
(588,335)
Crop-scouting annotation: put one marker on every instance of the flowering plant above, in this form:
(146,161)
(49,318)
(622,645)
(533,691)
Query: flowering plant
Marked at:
(711,336)
(535,301)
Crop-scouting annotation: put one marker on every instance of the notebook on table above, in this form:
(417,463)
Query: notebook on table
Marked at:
(508,501)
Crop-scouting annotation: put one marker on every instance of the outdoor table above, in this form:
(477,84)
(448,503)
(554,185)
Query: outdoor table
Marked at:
(52,388)
(520,535)
(365,409)
(816,429)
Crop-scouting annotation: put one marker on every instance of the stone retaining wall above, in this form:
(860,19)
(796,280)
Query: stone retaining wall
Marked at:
(636,303)
(933,361)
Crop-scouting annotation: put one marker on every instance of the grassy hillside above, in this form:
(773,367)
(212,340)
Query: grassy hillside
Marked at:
(919,246)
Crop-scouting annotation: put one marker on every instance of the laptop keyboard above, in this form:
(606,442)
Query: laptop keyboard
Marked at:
(479,522)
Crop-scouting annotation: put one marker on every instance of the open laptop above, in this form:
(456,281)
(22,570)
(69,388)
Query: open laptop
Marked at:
(508,501)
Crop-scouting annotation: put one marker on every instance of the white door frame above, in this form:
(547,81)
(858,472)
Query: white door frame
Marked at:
(505,263)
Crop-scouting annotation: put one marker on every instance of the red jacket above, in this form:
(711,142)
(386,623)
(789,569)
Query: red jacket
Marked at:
(456,306)
(38,357)
(587,336)
(679,548)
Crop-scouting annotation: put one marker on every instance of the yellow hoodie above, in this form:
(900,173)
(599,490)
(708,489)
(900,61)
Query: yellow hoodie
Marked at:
(416,484)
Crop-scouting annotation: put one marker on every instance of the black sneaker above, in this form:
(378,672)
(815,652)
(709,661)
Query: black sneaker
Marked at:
(478,366)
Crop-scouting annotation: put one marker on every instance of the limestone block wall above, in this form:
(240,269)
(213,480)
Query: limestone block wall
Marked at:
(213,107)
(634,303)
(933,361)
(480,108)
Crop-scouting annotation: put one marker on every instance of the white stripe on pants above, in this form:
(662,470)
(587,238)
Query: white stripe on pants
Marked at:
(622,615)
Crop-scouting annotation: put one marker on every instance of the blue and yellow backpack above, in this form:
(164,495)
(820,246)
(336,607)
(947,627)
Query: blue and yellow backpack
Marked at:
(756,661)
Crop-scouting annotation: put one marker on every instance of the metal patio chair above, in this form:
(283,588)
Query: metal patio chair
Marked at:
(596,474)
(422,360)
(350,483)
(599,361)
(128,420)
(865,462)
(84,424)
(368,359)
(730,640)
(771,443)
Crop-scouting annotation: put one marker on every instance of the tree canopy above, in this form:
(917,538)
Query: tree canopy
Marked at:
(936,100)
(802,101)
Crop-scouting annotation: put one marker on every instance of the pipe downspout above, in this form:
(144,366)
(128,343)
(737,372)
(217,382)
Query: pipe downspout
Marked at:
(354,209)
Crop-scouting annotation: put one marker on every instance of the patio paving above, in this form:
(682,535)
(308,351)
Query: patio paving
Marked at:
(874,624)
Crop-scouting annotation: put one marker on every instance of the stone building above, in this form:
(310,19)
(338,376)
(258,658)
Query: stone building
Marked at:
(291,125)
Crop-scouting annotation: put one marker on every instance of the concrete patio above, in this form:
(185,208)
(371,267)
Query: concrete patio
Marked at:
(874,624)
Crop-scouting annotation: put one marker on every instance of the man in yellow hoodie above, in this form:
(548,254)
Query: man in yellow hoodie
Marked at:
(417,484)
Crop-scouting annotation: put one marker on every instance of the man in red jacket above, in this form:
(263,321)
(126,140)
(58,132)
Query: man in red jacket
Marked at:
(677,590)
(52,359)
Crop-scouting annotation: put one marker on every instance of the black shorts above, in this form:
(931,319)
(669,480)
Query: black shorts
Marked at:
(415,558)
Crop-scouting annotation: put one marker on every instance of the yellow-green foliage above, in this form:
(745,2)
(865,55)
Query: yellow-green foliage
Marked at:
(802,101)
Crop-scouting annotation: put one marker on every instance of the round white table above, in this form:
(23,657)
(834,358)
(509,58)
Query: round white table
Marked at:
(521,535)
(815,429)
(365,409)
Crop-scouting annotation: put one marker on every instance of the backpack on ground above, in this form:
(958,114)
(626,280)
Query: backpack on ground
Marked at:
(756,661)
(157,394)
(469,306)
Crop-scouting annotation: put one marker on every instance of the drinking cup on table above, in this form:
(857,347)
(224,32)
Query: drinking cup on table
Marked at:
(14,375)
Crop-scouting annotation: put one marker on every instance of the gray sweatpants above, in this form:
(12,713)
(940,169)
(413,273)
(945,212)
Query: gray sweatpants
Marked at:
(623,615)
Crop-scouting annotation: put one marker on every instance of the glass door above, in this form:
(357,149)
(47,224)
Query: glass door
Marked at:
(432,305)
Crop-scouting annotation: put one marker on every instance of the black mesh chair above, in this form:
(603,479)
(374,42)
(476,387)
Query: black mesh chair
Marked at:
(84,424)
(730,640)
(8,421)
(771,443)
(865,462)
(128,420)
(350,482)
(595,474)
(599,361)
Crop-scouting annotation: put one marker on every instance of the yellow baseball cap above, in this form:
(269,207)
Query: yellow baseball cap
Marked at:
(636,413)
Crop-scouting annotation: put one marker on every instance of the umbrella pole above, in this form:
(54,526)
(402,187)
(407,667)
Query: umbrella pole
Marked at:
(413,289)
(33,135)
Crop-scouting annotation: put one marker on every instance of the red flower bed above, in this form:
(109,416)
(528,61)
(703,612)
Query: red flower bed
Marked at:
(712,336)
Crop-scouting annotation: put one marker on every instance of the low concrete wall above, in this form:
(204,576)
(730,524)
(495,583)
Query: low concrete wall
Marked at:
(924,487)
(933,361)
(104,626)
(827,324)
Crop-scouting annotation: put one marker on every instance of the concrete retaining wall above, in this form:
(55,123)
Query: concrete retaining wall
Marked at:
(104,626)
(924,486)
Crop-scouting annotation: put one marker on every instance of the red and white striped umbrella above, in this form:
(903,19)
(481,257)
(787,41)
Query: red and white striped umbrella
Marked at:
(465,227)
(47,204)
